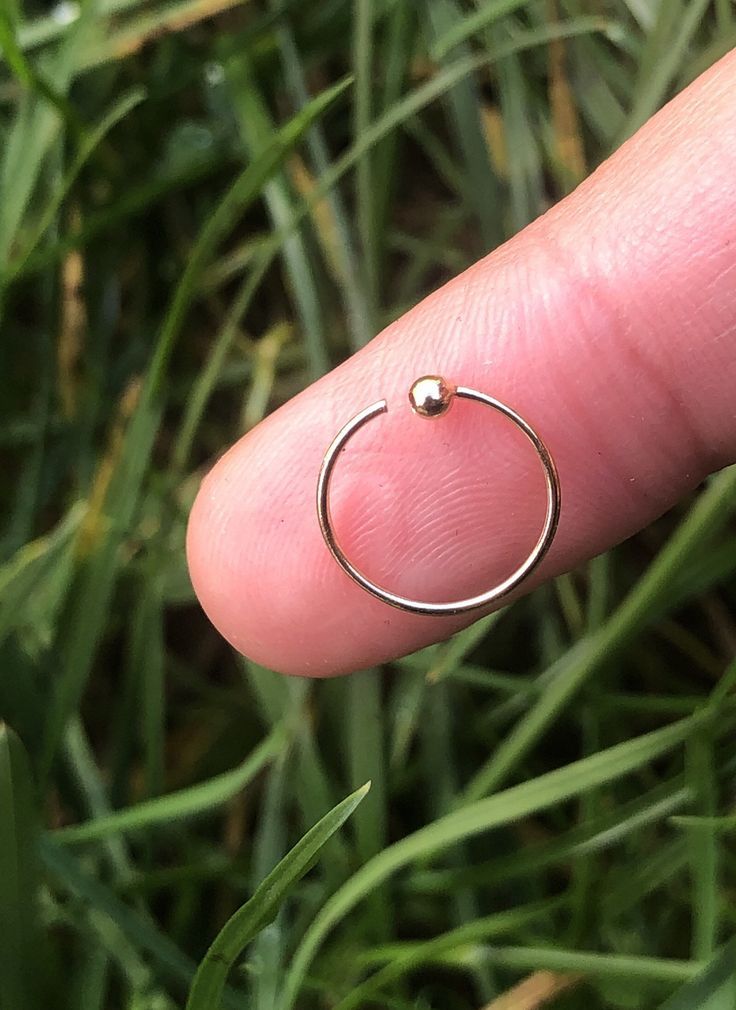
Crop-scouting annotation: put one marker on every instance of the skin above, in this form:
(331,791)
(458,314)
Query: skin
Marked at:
(609,323)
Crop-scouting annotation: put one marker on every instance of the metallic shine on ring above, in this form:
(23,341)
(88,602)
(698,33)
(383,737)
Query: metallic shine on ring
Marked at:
(431,397)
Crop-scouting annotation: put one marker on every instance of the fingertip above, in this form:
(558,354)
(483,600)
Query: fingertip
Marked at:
(617,355)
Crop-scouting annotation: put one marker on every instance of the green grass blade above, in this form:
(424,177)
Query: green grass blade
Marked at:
(365,744)
(212,973)
(362,115)
(181,805)
(246,188)
(81,763)
(393,55)
(483,815)
(91,984)
(398,114)
(650,969)
(147,659)
(35,130)
(205,383)
(31,573)
(88,146)
(656,75)
(713,989)
(19,949)
(451,655)
(464,111)
(466,27)
(99,577)
(118,920)
(645,601)
(408,957)
(256,130)
(340,253)
(596,835)
(269,847)
(525,169)
(703,844)
(727,823)
(286,698)
(41,30)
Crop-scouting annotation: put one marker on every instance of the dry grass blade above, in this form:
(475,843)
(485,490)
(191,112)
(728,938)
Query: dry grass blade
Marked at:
(537,990)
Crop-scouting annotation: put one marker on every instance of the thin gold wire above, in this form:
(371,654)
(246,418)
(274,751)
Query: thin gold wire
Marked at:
(484,599)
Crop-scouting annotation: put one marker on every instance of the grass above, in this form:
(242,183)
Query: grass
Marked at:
(204,204)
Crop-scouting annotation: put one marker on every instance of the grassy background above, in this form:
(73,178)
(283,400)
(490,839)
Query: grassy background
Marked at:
(205,204)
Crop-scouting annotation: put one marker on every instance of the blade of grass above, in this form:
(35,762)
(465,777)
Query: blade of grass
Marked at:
(289,699)
(269,846)
(382,127)
(725,15)
(393,56)
(444,662)
(35,129)
(464,28)
(148,649)
(366,756)
(207,379)
(241,195)
(362,115)
(676,25)
(525,169)
(451,655)
(726,823)
(31,570)
(121,923)
(703,851)
(207,988)
(401,959)
(597,835)
(438,761)
(91,984)
(256,130)
(47,28)
(707,515)
(130,204)
(364,740)
(483,815)
(341,252)
(131,37)
(425,94)
(190,802)
(19,924)
(465,114)
(648,969)
(26,75)
(628,887)
(651,970)
(713,989)
(89,144)
(407,700)
(399,113)
(94,593)
(80,760)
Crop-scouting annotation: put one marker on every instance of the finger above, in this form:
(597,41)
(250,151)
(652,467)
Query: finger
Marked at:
(609,324)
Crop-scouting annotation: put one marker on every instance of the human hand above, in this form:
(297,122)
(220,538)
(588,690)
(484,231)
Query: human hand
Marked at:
(610,324)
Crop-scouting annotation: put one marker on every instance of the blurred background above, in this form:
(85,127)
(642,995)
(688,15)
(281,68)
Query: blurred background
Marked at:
(204,205)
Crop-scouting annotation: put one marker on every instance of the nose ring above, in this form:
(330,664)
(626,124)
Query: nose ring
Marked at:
(431,397)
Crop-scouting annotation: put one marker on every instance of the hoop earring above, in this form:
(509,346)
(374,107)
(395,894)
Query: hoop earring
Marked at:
(431,397)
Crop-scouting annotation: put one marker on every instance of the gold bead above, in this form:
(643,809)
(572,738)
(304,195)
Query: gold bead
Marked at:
(430,396)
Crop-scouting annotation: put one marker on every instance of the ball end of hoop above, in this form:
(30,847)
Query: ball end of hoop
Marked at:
(431,396)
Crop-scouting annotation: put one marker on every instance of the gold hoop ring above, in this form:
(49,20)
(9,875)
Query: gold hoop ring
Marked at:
(431,397)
